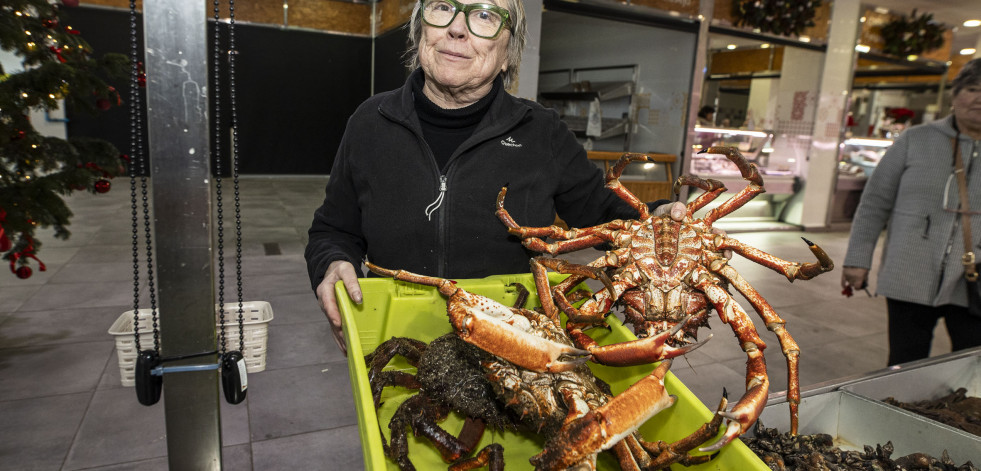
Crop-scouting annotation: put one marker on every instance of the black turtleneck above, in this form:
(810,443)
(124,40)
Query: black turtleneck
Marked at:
(445,129)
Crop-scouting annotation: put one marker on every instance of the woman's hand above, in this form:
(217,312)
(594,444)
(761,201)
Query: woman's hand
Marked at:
(343,271)
(854,277)
(676,209)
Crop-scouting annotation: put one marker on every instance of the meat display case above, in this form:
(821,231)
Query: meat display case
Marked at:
(857,159)
(779,171)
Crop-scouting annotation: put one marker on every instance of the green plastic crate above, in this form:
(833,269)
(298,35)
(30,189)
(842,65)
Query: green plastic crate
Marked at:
(399,309)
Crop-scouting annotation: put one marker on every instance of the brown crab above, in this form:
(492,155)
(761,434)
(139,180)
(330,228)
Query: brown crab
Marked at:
(662,271)
(558,398)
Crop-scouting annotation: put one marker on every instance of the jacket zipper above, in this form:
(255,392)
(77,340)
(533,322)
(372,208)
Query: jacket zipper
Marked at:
(439,199)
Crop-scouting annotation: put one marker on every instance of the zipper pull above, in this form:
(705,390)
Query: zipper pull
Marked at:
(439,199)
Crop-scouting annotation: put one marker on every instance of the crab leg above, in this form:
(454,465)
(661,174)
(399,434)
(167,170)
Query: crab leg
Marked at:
(749,172)
(748,408)
(635,352)
(677,452)
(496,328)
(567,240)
(713,188)
(423,415)
(775,324)
(613,183)
(792,270)
(601,428)
(410,349)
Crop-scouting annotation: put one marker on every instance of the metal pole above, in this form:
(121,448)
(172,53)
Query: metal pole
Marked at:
(176,64)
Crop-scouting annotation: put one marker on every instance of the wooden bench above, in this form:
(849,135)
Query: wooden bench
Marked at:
(646,190)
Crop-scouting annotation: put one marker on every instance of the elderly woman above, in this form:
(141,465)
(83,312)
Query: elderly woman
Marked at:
(416,177)
(915,191)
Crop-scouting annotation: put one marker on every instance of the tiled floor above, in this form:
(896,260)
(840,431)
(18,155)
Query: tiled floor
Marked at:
(63,408)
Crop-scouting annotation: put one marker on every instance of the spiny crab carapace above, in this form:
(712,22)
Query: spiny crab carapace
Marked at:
(667,273)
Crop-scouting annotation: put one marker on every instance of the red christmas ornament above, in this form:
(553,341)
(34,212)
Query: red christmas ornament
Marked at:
(102,186)
(57,51)
(103,104)
(24,271)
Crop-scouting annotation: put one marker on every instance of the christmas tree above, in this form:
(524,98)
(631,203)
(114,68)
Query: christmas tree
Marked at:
(38,171)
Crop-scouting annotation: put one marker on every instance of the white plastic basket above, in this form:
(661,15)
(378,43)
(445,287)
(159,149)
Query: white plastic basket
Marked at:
(255,314)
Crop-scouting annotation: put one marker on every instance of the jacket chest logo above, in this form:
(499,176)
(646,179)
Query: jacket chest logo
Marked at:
(510,142)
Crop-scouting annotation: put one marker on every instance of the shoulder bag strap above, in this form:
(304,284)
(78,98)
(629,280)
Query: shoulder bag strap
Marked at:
(969,261)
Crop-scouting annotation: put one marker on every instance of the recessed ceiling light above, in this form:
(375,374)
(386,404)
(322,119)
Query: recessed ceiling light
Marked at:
(968,51)
(731,46)
(972,23)
(764,45)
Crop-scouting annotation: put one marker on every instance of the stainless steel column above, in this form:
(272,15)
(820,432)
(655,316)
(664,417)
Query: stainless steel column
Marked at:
(176,69)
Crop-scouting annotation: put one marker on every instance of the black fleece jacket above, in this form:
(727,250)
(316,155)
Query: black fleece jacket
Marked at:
(387,201)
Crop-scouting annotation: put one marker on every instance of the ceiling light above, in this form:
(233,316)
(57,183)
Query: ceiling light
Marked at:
(912,57)
(862,48)
(764,45)
(731,47)
(972,23)
(967,51)
(804,39)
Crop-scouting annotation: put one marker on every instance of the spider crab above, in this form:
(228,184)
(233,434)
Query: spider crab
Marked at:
(489,371)
(663,271)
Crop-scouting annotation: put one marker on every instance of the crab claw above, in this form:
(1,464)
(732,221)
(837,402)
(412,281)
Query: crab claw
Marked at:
(810,270)
(601,428)
(497,329)
(741,417)
(642,351)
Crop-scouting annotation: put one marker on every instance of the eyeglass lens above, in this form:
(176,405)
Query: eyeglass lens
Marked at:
(481,19)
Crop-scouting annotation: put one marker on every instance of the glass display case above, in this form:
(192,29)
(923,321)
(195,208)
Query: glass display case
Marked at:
(756,146)
(857,160)
(859,156)
(780,169)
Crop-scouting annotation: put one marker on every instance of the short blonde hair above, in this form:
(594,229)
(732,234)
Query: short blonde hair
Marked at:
(516,41)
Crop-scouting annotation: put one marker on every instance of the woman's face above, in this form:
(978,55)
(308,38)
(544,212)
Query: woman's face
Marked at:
(458,63)
(967,107)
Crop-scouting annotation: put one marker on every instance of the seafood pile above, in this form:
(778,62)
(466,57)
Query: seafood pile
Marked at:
(956,409)
(527,368)
(486,371)
(817,452)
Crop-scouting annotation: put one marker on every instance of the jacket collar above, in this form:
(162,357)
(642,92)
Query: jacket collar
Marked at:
(504,113)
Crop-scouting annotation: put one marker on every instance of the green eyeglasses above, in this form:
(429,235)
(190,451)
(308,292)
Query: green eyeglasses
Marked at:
(483,19)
